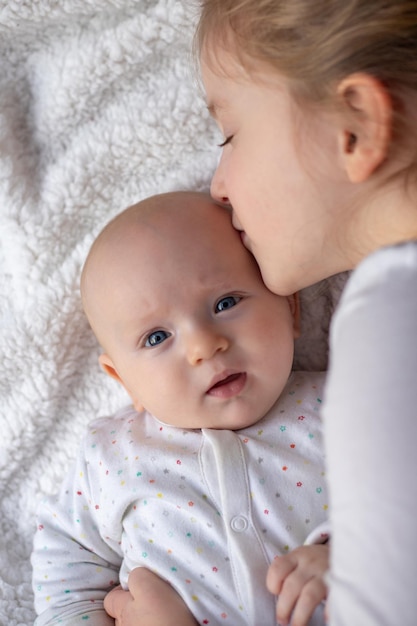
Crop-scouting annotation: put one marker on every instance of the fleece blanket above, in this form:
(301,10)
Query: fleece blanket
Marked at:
(99,107)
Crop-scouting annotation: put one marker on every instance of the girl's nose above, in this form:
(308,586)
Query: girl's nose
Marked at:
(203,344)
(218,188)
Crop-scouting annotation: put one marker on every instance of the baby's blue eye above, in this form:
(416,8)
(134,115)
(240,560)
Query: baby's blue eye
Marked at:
(226,303)
(155,338)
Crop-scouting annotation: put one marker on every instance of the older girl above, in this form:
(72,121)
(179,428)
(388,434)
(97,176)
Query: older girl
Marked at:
(317,102)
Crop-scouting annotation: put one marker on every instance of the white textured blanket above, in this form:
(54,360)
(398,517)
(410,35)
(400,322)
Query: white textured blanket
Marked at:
(98,109)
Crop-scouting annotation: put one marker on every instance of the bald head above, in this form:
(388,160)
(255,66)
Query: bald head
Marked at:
(160,230)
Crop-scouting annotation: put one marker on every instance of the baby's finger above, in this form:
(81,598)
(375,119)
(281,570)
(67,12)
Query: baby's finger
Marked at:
(115,601)
(280,568)
(287,598)
(312,594)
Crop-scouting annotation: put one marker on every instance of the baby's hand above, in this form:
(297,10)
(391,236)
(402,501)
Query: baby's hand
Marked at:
(150,601)
(298,580)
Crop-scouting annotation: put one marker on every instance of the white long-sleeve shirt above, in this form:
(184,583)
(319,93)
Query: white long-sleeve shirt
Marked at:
(370,421)
(207,510)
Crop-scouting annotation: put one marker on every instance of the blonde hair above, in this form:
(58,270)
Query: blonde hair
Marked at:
(316,42)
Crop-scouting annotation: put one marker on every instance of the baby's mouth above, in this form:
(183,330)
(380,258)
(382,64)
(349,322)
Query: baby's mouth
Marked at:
(228,386)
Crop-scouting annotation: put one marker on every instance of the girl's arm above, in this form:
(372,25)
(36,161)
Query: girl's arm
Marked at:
(370,415)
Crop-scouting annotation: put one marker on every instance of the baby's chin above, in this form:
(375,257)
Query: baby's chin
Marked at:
(231,423)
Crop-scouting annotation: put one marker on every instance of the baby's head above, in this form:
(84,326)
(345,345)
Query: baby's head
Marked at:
(185,322)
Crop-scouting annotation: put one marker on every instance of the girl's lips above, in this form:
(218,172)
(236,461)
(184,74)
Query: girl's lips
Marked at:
(229,386)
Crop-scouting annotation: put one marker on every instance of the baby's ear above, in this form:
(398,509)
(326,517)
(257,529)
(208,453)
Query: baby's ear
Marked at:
(294,302)
(109,368)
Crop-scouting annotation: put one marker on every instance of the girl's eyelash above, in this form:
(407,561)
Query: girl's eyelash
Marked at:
(226,141)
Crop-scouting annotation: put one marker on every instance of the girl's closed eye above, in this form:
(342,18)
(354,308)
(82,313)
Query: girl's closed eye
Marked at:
(226,303)
(226,141)
(156,337)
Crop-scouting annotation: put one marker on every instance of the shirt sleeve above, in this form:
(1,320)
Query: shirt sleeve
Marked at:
(320,534)
(370,426)
(73,565)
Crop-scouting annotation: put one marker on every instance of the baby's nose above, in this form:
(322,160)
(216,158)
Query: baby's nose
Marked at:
(203,344)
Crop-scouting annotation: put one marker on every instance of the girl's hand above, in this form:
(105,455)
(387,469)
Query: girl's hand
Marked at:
(298,580)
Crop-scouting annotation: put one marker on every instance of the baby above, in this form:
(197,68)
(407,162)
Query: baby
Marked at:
(217,468)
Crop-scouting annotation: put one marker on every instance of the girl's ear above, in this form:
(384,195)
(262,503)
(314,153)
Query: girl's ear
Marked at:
(294,302)
(108,367)
(367,128)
